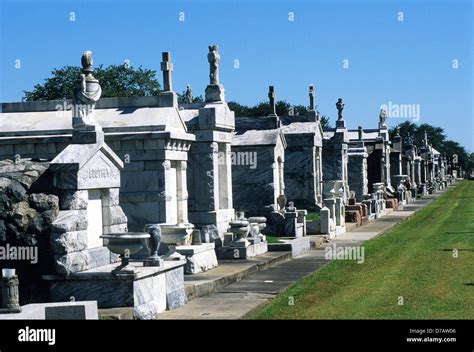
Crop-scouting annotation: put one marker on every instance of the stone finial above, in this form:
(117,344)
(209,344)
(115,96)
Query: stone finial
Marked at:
(188,96)
(397,132)
(271,97)
(360,132)
(382,118)
(86,62)
(167,68)
(86,93)
(311,97)
(214,91)
(426,139)
(214,58)
(340,107)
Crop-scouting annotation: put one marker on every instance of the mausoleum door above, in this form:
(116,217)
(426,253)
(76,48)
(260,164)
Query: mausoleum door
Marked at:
(94,219)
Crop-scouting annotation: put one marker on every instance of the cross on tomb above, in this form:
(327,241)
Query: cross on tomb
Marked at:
(311,97)
(271,97)
(167,68)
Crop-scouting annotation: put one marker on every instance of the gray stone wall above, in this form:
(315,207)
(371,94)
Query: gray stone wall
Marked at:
(253,189)
(395,165)
(300,176)
(357,175)
(26,215)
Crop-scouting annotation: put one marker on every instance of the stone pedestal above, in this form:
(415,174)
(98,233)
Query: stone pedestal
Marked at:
(378,190)
(326,221)
(87,135)
(210,168)
(340,218)
(250,250)
(168,99)
(199,258)
(215,93)
(150,290)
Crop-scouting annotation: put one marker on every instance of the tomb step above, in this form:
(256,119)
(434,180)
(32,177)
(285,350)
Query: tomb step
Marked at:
(230,271)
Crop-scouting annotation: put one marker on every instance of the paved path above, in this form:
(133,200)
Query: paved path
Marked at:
(238,299)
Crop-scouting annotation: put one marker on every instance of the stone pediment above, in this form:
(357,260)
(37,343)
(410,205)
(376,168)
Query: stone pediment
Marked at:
(86,166)
(259,137)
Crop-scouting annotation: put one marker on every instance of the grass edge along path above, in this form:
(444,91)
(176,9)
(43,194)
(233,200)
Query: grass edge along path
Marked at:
(419,269)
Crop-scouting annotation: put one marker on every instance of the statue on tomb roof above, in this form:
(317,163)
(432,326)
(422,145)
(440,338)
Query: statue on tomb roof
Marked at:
(86,93)
(214,58)
(340,107)
(81,93)
(360,132)
(86,61)
(188,96)
(382,118)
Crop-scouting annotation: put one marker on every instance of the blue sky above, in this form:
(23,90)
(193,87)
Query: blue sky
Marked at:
(402,62)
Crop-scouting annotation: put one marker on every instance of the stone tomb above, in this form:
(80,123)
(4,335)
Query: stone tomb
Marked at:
(357,167)
(152,141)
(210,158)
(87,174)
(333,212)
(210,167)
(86,270)
(303,158)
(258,156)
(335,159)
(88,177)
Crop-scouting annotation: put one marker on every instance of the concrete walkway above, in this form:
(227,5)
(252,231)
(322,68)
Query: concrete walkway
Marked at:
(237,300)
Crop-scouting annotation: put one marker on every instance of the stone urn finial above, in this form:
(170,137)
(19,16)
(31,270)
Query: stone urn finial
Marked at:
(86,61)
(86,94)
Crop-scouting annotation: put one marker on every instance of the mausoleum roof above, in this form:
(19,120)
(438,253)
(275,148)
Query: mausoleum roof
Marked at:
(112,120)
(243,123)
(257,137)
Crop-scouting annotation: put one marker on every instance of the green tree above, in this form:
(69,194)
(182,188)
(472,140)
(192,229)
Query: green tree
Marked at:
(437,138)
(239,109)
(115,80)
(324,120)
(436,135)
(406,128)
(263,109)
(182,98)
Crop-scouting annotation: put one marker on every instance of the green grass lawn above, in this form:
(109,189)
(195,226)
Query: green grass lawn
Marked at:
(273,239)
(414,260)
(313,216)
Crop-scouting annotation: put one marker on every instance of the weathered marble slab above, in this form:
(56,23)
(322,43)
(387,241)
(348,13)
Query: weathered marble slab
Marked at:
(242,252)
